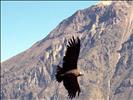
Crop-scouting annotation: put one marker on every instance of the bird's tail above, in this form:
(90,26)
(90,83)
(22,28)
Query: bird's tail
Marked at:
(59,77)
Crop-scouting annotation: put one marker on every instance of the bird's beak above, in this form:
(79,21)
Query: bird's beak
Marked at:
(81,74)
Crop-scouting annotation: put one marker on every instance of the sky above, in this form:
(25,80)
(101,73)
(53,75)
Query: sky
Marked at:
(23,23)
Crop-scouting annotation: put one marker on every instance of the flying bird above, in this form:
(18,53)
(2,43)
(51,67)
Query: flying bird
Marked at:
(69,72)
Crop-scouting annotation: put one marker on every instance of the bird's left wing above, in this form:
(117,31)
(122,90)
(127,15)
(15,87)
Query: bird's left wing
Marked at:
(71,84)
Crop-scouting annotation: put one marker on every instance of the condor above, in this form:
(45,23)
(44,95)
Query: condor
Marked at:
(69,72)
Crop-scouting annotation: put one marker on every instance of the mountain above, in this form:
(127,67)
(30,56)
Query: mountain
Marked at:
(106,57)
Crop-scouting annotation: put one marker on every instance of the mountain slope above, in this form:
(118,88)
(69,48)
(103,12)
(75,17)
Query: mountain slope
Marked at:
(106,56)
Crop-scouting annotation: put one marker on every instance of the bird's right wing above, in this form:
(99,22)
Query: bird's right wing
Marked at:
(71,57)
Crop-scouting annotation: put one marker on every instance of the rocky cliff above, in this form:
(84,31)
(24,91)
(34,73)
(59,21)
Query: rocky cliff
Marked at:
(106,57)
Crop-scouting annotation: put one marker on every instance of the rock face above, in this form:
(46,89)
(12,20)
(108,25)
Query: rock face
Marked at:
(106,58)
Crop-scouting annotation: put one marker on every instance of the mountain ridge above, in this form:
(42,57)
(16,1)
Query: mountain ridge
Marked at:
(105,56)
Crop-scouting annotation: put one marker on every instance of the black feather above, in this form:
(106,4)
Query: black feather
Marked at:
(70,62)
(71,57)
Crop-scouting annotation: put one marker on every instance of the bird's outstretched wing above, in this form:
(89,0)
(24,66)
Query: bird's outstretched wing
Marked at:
(71,84)
(71,57)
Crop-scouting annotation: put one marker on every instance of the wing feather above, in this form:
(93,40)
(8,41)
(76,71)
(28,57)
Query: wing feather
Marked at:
(71,84)
(72,53)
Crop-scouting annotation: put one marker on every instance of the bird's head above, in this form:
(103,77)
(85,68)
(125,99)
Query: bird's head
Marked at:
(80,74)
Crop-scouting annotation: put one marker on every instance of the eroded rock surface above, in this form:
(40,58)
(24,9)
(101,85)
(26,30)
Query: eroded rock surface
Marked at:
(106,57)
